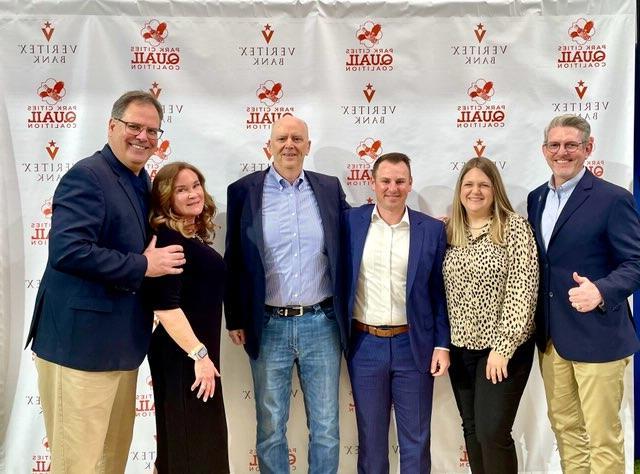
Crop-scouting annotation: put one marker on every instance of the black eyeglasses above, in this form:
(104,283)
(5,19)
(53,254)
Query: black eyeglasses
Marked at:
(570,147)
(135,129)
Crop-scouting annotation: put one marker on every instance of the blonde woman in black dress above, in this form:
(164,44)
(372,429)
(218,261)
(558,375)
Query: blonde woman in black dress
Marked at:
(185,348)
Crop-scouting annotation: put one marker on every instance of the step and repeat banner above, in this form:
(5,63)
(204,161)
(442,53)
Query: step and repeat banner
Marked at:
(440,81)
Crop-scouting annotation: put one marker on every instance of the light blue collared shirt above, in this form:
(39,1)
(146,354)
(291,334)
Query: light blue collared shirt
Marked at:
(296,263)
(556,200)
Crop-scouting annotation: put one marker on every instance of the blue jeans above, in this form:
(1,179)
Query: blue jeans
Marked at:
(312,343)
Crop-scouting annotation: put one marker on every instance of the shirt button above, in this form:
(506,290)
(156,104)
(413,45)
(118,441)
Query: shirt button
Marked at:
(294,234)
(551,294)
(295,254)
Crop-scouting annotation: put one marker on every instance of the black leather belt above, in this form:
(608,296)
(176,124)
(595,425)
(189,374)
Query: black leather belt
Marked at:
(288,311)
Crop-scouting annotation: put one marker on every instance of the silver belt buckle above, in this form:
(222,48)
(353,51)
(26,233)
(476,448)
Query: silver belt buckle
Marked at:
(295,311)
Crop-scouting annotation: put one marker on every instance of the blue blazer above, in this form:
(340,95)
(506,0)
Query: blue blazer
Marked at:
(597,235)
(89,314)
(425,297)
(244,255)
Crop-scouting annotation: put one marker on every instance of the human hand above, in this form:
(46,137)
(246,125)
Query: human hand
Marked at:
(496,369)
(206,374)
(586,296)
(164,260)
(237,336)
(439,362)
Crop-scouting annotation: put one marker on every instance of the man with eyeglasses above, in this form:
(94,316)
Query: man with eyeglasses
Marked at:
(90,329)
(588,234)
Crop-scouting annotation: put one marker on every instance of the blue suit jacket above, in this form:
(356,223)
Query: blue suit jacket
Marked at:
(244,255)
(425,296)
(88,313)
(597,235)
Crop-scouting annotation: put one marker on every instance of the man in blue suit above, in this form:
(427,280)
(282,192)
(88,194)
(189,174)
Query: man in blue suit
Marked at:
(397,311)
(588,235)
(90,331)
(282,301)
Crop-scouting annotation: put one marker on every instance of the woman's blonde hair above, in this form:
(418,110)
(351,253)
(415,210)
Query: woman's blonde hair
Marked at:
(162,198)
(456,228)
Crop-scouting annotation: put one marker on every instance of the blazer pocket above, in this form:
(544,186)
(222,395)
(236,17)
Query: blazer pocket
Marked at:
(90,304)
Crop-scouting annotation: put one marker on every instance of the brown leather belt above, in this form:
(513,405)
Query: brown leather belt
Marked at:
(380,331)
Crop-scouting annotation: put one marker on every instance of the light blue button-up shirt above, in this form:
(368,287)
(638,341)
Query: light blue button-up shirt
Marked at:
(557,198)
(296,264)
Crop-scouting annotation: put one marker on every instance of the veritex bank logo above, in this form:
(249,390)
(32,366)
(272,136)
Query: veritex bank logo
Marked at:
(47,51)
(368,111)
(479,49)
(267,51)
(580,100)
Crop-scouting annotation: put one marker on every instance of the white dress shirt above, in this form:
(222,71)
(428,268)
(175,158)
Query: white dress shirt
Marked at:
(380,298)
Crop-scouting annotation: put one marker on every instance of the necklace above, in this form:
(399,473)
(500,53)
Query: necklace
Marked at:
(481,227)
(197,237)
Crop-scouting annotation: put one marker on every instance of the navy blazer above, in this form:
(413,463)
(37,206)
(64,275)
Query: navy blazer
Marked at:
(597,235)
(88,313)
(244,255)
(425,295)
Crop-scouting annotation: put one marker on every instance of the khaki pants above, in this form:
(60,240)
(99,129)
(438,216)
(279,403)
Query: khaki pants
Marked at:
(584,402)
(88,417)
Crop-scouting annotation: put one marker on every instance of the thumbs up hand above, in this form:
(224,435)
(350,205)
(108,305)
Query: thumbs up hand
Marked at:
(585,297)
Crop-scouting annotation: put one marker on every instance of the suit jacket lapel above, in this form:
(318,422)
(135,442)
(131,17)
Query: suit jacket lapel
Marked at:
(127,187)
(324,206)
(539,207)
(359,236)
(256,191)
(579,195)
(416,236)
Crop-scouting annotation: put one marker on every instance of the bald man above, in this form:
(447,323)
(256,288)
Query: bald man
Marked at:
(282,302)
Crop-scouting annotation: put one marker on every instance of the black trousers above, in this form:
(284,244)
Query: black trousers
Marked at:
(488,410)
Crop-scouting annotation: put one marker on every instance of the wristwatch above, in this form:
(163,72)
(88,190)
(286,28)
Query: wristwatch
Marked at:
(199,352)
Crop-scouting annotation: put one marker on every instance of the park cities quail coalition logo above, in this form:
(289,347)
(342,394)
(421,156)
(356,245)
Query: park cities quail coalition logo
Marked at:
(267,52)
(155,53)
(480,52)
(268,94)
(367,151)
(252,465)
(49,168)
(41,459)
(145,405)
(368,113)
(370,56)
(170,110)
(582,51)
(159,157)
(482,112)
(47,52)
(479,147)
(39,229)
(581,103)
(49,111)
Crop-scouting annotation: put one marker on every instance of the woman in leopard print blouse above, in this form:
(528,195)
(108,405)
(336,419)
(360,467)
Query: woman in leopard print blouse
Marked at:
(491,280)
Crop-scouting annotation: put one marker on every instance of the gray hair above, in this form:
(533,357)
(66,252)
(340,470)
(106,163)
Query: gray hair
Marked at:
(569,120)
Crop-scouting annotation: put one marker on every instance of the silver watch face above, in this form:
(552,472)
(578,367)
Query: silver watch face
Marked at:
(201,353)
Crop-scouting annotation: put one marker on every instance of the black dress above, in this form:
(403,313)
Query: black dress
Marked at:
(191,434)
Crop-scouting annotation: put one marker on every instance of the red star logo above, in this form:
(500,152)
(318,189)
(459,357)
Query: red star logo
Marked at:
(581,89)
(369,92)
(480,32)
(47,30)
(479,148)
(267,33)
(52,149)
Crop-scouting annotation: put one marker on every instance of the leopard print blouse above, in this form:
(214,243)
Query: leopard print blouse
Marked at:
(492,290)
